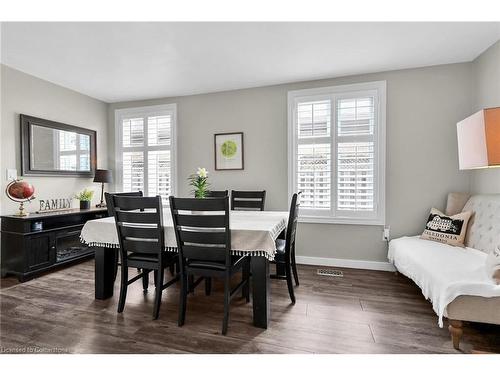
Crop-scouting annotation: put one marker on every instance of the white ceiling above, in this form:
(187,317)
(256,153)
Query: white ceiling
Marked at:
(128,61)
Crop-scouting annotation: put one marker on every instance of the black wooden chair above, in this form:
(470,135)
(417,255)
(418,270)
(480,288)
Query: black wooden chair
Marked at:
(111,213)
(139,223)
(217,193)
(204,243)
(285,250)
(248,200)
(109,203)
(208,280)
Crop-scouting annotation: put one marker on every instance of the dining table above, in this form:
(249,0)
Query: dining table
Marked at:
(253,233)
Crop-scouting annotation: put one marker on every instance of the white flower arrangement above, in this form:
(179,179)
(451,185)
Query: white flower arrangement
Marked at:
(199,182)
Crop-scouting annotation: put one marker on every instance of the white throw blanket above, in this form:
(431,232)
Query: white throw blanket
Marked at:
(443,272)
(493,265)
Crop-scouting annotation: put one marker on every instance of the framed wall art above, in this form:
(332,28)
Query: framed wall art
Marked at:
(228,151)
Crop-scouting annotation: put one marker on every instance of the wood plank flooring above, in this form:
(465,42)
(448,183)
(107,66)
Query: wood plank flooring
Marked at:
(363,312)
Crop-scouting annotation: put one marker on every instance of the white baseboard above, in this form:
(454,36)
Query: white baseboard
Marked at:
(347,263)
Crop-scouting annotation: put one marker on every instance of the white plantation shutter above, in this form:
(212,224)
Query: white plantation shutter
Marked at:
(314,154)
(146,150)
(159,180)
(355,154)
(355,176)
(337,152)
(133,171)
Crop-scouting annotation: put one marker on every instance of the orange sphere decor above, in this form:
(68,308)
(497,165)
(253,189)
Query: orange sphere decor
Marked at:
(20,191)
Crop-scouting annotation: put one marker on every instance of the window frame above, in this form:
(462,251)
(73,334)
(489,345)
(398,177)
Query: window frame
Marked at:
(332,216)
(147,111)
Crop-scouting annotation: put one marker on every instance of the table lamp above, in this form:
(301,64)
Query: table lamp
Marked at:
(479,140)
(103,176)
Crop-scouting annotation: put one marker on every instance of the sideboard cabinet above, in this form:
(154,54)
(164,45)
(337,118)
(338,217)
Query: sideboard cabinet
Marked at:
(38,243)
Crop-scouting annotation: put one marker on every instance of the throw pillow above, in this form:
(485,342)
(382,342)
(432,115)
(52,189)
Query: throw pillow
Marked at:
(446,229)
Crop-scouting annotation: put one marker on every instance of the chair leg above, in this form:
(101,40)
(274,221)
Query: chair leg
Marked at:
(145,279)
(159,284)
(182,297)
(288,270)
(208,286)
(245,291)
(294,267)
(191,283)
(171,268)
(227,301)
(117,257)
(123,288)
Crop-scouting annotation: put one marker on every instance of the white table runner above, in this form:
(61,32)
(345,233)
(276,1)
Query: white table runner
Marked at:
(252,232)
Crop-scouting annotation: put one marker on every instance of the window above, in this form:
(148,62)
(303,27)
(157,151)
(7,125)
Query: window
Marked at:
(146,150)
(336,155)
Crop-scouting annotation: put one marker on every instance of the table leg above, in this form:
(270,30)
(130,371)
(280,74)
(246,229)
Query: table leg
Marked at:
(280,269)
(105,259)
(261,292)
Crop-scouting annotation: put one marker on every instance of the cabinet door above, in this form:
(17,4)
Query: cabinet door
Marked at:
(40,251)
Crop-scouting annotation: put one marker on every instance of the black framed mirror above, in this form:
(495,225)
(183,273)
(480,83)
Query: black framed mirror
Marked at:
(50,148)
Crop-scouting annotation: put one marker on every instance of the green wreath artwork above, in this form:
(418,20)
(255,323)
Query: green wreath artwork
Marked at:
(228,149)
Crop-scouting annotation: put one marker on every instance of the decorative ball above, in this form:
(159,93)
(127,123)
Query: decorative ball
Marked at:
(20,190)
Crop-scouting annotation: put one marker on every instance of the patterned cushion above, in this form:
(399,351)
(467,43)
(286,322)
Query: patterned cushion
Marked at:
(446,229)
(484,226)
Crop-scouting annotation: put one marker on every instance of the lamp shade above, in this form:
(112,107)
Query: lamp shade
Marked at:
(479,140)
(103,175)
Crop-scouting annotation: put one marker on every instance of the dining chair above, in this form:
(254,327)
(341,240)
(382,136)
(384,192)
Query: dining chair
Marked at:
(285,249)
(208,281)
(204,243)
(217,193)
(111,213)
(107,197)
(139,224)
(248,200)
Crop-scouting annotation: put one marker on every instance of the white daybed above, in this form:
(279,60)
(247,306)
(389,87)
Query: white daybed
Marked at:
(454,279)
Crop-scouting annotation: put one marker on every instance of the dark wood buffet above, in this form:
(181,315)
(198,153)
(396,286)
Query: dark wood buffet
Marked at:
(38,243)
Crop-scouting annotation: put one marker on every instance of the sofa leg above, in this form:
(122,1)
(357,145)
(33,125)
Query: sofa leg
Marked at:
(456,331)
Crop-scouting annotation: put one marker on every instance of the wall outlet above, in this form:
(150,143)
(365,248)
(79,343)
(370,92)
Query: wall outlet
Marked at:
(386,234)
(11,174)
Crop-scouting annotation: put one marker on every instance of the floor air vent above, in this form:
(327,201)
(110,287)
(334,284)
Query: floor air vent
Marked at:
(330,272)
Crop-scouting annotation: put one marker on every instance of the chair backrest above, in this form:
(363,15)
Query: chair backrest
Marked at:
(217,193)
(139,224)
(292,223)
(248,200)
(202,229)
(107,197)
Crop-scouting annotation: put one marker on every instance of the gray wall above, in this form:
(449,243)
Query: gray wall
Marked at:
(23,93)
(423,106)
(486,70)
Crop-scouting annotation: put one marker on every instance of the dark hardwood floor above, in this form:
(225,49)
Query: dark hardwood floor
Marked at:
(363,312)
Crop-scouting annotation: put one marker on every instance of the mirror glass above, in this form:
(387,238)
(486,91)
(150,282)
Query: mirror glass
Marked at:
(59,150)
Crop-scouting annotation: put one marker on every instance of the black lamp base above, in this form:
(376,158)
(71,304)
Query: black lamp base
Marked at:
(102,204)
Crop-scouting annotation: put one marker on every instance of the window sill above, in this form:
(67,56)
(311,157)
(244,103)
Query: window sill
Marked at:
(340,220)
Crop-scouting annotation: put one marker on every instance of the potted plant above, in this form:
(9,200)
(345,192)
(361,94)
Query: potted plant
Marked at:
(85,196)
(199,182)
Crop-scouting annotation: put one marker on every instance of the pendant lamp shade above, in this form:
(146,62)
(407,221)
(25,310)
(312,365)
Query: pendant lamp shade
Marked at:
(479,140)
